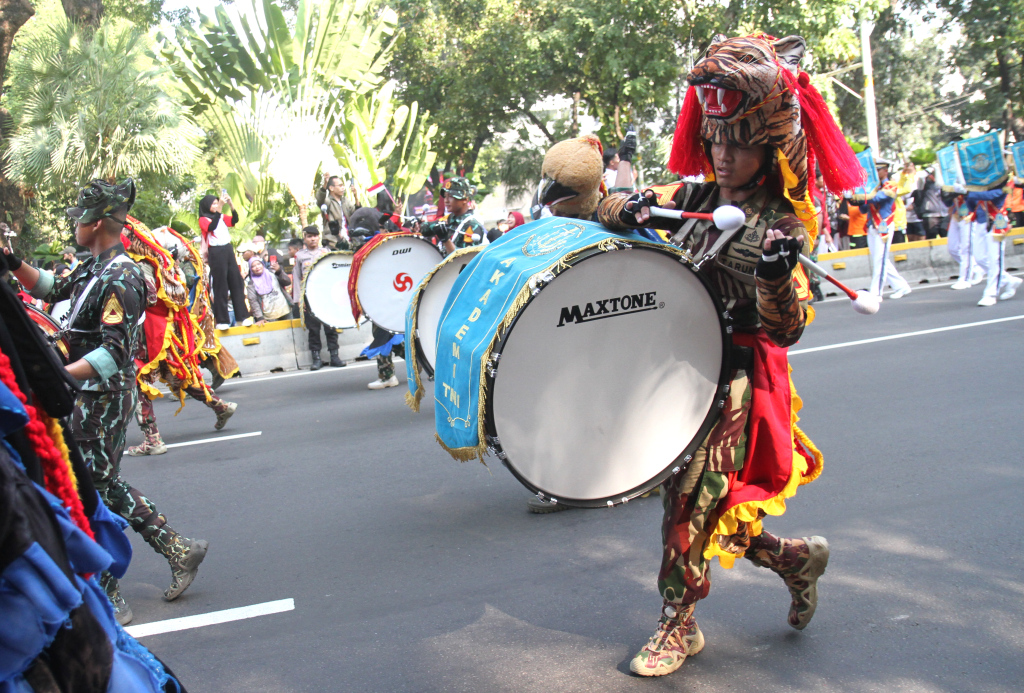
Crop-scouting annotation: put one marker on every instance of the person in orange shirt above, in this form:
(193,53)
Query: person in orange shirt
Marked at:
(1015,205)
(858,227)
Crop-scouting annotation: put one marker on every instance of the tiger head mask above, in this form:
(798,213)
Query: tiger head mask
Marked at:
(743,93)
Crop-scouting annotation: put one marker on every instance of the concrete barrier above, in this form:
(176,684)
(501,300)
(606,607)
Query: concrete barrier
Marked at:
(284,346)
(919,262)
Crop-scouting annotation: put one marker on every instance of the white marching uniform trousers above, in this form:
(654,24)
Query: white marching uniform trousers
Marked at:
(998,279)
(882,270)
(968,248)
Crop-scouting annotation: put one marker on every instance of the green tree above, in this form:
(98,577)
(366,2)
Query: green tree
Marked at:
(93,106)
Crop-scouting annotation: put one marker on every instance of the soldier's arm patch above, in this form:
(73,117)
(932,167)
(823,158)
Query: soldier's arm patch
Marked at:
(113,311)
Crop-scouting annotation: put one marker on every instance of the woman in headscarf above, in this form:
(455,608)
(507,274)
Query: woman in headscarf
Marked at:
(266,298)
(225,277)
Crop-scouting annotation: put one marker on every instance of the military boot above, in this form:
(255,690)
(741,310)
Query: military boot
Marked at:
(336,361)
(799,562)
(224,411)
(152,445)
(317,363)
(677,638)
(122,612)
(184,556)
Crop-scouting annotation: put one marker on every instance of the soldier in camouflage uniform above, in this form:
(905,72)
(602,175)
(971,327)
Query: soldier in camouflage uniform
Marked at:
(745,135)
(460,227)
(107,294)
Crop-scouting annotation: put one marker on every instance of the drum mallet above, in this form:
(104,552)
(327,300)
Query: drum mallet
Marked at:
(729,218)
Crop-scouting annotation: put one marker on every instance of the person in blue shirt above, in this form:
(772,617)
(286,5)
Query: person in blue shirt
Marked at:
(879,209)
(988,219)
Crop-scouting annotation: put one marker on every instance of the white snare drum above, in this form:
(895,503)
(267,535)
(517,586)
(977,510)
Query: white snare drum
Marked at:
(609,377)
(388,275)
(431,302)
(326,290)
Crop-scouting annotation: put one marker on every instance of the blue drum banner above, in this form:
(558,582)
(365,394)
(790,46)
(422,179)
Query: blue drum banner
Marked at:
(867,162)
(981,159)
(484,301)
(949,166)
(1017,150)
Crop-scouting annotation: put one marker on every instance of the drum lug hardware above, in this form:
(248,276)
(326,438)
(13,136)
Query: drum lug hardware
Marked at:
(726,316)
(721,404)
(726,388)
(675,470)
(492,365)
(622,244)
(624,500)
(728,329)
(611,504)
(538,281)
(687,458)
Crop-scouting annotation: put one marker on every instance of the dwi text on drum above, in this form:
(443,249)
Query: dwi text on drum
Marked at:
(387,276)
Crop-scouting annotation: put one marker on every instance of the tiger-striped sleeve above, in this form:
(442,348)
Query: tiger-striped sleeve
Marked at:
(782,316)
(608,211)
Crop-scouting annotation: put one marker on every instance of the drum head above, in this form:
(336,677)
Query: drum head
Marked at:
(60,310)
(431,305)
(327,290)
(388,275)
(608,375)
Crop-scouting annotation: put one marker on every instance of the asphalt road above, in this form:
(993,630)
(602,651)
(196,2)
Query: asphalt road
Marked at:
(412,572)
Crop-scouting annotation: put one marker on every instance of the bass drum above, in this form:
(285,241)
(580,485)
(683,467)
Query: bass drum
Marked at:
(387,276)
(51,329)
(326,290)
(428,303)
(60,310)
(610,376)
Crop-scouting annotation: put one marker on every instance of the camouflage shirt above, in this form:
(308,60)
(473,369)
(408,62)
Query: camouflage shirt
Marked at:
(107,328)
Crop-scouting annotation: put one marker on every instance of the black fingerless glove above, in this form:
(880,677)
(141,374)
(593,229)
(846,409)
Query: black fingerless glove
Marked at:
(628,147)
(636,202)
(13,261)
(780,259)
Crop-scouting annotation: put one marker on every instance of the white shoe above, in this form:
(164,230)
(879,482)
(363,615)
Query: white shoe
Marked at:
(1010,290)
(901,293)
(223,326)
(978,279)
(248,322)
(987,301)
(960,285)
(381,384)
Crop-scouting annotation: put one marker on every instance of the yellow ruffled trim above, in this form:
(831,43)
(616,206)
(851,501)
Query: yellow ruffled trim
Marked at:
(56,433)
(751,511)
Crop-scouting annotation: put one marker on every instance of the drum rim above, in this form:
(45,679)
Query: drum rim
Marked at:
(677,465)
(63,354)
(305,277)
(460,252)
(409,235)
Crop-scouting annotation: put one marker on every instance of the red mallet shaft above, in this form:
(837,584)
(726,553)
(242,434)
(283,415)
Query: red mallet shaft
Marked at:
(863,302)
(726,217)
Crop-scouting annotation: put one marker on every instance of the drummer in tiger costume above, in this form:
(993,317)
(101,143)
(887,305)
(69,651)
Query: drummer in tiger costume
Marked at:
(753,126)
(172,347)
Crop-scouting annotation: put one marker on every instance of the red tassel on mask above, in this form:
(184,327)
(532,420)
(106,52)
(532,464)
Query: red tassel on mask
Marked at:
(839,167)
(688,158)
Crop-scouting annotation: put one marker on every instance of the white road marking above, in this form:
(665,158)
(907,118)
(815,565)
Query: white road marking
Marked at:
(214,617)
(905,334)
(215,440)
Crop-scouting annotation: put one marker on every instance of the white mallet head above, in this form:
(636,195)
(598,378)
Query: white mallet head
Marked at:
(866,303)
(729,218)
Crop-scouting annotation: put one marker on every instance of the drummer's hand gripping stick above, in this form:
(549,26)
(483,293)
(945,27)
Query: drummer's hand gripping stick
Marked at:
(729,218)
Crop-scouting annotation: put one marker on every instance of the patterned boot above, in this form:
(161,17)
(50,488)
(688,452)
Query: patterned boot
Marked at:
(800,562)
(122,612)
(184,556)
(152,445)
(224,411)
(677,638)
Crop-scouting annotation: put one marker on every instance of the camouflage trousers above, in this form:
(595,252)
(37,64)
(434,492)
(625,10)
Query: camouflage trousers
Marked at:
(691,500)
(99,425)
(385,366)
(146,416)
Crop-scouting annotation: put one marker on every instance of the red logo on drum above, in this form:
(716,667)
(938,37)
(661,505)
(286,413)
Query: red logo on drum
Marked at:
(403,282)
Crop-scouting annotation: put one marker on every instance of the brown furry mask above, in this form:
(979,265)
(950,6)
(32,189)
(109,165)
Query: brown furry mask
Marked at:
(571,183)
